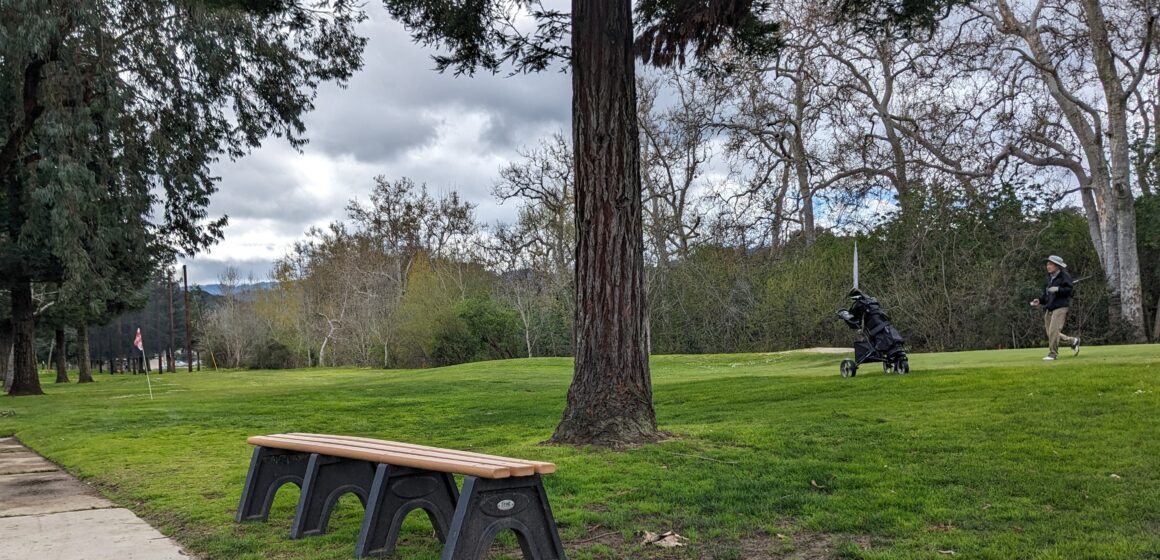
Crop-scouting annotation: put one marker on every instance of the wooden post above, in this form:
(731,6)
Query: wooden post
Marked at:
(188,345)
(169,351)
(158,321)
(118,344)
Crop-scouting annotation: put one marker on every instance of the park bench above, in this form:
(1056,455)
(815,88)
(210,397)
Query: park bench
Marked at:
(392,479)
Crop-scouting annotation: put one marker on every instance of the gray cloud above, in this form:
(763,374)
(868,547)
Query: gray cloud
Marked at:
(376,133)
(262,186)
(381,113)
(398,117)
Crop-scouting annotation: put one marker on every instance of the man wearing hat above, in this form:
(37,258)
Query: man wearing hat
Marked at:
(1055,299)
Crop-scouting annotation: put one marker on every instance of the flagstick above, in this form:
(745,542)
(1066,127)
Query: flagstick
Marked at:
(855,264)
(145,363)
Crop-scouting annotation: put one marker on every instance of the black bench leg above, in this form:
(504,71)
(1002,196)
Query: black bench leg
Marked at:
(269,470)
(490,506)
(396,492)
(327,479)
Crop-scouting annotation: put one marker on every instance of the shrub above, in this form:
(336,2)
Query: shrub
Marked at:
(272,355)
(480,329)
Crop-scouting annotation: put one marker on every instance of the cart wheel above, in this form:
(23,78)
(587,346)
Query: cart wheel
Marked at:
(848,368)
(887,367)
(903,366)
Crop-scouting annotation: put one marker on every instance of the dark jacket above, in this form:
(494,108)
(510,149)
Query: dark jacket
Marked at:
(1061,298)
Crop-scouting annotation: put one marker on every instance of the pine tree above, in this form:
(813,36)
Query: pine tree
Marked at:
(610,399)
(111,114)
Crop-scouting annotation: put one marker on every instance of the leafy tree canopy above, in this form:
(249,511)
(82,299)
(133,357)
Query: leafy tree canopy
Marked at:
(487,34)
(111,114)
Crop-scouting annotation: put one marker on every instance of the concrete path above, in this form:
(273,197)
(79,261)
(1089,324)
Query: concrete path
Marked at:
(47,514)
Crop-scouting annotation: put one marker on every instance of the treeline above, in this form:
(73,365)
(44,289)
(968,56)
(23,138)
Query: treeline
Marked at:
(954,277)
(105,344)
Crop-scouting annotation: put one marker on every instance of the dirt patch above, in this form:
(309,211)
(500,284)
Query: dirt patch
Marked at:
(801,545)
(817,546)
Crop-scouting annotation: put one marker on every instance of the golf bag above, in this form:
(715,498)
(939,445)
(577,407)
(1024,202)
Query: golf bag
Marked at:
(881,342)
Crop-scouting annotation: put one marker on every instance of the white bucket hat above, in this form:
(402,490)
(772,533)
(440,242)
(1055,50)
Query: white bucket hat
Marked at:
(1057,260)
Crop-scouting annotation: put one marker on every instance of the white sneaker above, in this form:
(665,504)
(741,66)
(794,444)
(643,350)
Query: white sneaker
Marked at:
(1049,358)
(1075,347)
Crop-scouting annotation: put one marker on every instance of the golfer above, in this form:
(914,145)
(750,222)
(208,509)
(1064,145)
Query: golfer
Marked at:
(1055,299)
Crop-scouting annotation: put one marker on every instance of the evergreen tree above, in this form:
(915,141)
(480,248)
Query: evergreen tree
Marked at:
(610,400)
(111,114)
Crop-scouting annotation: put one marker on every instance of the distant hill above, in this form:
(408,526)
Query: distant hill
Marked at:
(216,289)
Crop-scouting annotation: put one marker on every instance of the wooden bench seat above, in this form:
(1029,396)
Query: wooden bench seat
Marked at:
(406,455)
(393,478)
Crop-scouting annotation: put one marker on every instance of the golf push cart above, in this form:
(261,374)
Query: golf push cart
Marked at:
(881,342)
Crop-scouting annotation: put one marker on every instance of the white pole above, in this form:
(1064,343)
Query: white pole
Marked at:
(855,264)
(145,362)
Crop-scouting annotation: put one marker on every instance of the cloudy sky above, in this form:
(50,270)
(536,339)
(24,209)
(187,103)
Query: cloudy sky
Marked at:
(397,118)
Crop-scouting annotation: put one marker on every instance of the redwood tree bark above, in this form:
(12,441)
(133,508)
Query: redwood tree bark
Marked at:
(84,359)
(24,379)
(610,399)
(61,357)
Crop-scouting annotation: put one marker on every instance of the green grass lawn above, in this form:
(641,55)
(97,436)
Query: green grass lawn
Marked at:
(986,454)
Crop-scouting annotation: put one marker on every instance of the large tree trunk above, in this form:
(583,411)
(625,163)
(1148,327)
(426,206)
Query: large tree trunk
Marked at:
(25,380)
(800,160)
(61,357)
(1156,326)
(84,363)
(5,354)
(1122,203)
(1109,223)
(610,400)
(1131,291)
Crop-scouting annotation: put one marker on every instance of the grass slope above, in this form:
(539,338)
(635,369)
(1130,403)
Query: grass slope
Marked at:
(991,455)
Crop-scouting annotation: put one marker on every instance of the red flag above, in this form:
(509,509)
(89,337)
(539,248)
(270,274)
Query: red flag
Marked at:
(137,341)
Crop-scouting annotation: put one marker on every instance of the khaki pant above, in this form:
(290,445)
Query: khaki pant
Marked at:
(1053,322)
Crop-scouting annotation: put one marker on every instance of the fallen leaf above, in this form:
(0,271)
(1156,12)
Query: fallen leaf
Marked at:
(815,484)
(1115,476)
(947,552)
(781,536)
(668,539)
